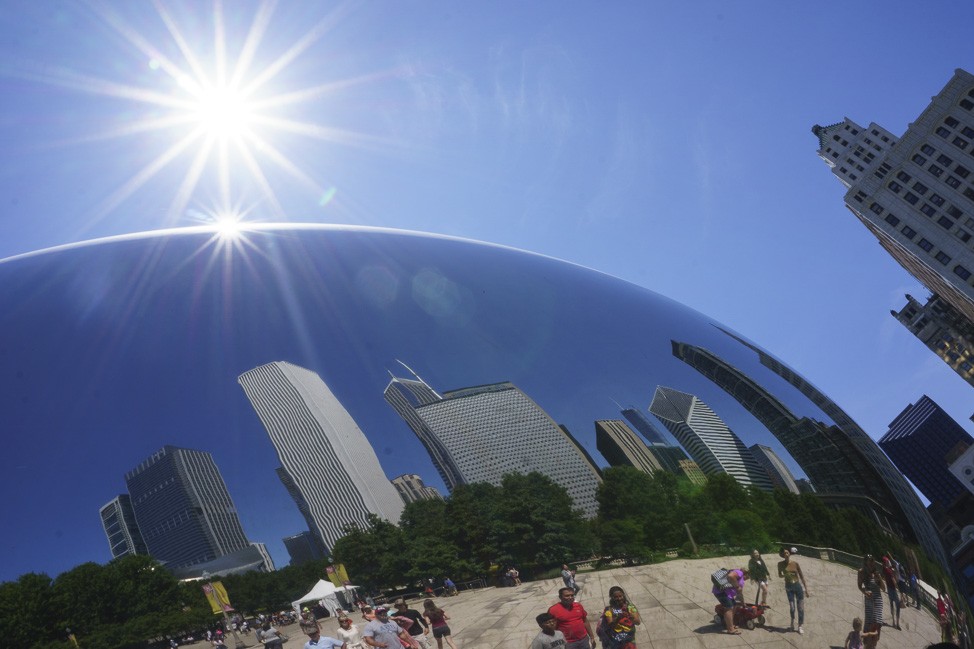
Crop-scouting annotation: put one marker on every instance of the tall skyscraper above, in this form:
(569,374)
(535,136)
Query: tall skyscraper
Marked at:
(944,331)
(487,431)
(405,396)
(915,193)
(302,548)
(690,469)
(708,440)
(922,441)
(411,488)
(118,521)
(778,471)
(641,422)
(669,457)
(183,508)
(327,464)
(620,446)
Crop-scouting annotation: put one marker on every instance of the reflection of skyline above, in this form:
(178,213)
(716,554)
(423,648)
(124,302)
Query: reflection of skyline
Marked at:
(707,438)
(115,356)
(488,431)
(327,463)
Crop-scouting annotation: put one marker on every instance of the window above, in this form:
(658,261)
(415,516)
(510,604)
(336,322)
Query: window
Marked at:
(911,198)
(919,188)
(945,223)
(919,159)
(954,212)
(960,142)
(859,197)
(925,245)
(926,209)
(935,170)
(874,132)
(905,177)
(969,193)
(963,235)
(908,232)
(963,172)
(953,182)
(853,176)
(942,132)
(967,131)
(944,160)
(966,104)
(936,199)
(942,257)
(895,187)
(951,122)
(892,220)
(929,150)
(885,139)
(836,138)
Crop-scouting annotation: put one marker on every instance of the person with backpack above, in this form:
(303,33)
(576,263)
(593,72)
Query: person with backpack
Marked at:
(728,588)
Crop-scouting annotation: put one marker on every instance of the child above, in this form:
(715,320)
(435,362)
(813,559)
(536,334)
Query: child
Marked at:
(549,637)
(858,638)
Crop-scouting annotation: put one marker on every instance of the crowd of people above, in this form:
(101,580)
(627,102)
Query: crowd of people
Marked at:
(567,625)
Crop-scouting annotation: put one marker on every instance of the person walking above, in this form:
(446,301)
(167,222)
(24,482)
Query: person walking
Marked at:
(889,577)
(619,621)
(270,637)
(418,627)
(437,618)
(568,576)
(870,582)
(573,620)
(795,588)
(383,633)
(349,633)
(758,570)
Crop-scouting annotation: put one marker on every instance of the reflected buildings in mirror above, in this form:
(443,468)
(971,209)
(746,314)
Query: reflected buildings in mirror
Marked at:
(620,446)
(156,329)
(778,471)
(412,488)
(327,463)
(118,519)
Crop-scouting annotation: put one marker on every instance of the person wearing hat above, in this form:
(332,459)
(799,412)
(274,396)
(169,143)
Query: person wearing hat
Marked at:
(349,632)
(383,633)
(419,629)
(318,641)
(308,623)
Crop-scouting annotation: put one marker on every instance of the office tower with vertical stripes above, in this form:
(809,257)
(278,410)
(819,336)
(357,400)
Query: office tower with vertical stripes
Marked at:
(620,446)
(118,521)
(183,508)
(327,463)
(779,473)
(708,440)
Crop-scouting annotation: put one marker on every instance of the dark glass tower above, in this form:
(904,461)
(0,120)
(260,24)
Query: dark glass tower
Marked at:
(642,423)
(118,520)
(183,508)
(919,442)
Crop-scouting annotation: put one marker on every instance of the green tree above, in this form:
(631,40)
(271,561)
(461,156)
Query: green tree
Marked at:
(25,611)
(374,554)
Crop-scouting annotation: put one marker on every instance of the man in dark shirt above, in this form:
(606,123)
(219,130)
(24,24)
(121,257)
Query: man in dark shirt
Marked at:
(420,628)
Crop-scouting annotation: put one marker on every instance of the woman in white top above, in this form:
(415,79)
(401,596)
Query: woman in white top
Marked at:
(349,633)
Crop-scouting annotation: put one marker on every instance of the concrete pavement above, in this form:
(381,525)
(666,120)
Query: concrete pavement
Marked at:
(677,610)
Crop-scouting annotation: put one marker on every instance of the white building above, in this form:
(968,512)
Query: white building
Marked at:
(327,463)
(915,193)
(492,430)
(712,445)
(778,471)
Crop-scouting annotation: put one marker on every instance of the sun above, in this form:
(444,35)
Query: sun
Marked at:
(220,108)
(223,113)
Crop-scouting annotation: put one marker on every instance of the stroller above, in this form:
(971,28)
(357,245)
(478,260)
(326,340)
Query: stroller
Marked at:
(746,615)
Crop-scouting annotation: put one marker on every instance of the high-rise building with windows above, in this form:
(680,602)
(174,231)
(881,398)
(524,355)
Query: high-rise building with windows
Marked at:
(944,331)
(778,471)
(923,441)
(638,420)
(620,446)
(487,431)
(183,508)
(411,488)
(915,193)
(118,521)
(691,470)
(708,440)
(302,548)
(327,464)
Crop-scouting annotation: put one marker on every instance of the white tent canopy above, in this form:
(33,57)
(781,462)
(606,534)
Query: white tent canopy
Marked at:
(327,594)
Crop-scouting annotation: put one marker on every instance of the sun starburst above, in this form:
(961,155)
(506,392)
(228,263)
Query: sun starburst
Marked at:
(220,107)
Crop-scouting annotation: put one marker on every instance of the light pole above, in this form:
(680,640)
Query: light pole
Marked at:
(238,643)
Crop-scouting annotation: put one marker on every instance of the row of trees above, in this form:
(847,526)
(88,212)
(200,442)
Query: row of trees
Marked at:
(527,522)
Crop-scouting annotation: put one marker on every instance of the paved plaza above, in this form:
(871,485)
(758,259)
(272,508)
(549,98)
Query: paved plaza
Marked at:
(677,610)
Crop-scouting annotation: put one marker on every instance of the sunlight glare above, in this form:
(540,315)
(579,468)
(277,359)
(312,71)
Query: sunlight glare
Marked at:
(222,112)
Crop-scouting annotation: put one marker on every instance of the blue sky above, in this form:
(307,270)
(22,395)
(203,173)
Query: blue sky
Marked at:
(667,144)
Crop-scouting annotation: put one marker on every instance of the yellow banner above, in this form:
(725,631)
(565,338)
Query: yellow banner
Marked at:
(337,575)
(216,595)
